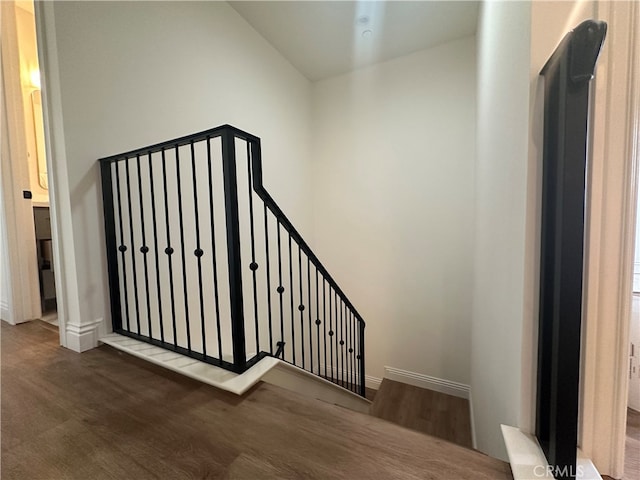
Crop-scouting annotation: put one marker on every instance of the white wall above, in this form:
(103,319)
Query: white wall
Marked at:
(393,182)
(136,73)
(500,220)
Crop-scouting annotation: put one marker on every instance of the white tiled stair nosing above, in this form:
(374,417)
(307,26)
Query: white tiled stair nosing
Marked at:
(213,375)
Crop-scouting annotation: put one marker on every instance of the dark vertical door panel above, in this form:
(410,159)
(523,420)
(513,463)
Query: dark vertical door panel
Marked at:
(567,75)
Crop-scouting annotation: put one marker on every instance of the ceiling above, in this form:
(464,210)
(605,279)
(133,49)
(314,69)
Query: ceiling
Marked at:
(327,38)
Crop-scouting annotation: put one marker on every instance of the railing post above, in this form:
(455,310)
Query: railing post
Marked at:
(111,244)
(233,249)
(363,391)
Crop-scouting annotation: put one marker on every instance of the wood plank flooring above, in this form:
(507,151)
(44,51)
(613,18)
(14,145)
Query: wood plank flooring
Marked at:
(632,446)
(426,411)
(105,415)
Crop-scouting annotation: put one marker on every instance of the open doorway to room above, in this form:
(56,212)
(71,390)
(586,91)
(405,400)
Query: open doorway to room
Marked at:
(36,157)
(26,168)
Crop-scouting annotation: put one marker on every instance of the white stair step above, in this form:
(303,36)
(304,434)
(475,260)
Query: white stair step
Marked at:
(269,369)
(204,372)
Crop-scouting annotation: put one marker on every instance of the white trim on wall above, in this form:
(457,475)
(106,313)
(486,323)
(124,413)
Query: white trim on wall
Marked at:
(83,337)
(430,383)
(68,301)
(411,378)
(5,311)
(609,245)
(18,212)
(369,381)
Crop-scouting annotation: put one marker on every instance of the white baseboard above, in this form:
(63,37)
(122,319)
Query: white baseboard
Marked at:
(372,382)
(5,312)
(83,337)
(430,383)
(369,381)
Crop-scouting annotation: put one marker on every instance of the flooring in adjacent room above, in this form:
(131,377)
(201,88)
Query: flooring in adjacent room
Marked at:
(434,413)
(103,414)
(632,447)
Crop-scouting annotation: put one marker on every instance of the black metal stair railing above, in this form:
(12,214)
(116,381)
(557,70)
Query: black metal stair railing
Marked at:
(202,261)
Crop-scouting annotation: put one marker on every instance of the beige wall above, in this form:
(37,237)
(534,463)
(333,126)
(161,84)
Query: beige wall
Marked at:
(393,190)
(500,220)
(136,73)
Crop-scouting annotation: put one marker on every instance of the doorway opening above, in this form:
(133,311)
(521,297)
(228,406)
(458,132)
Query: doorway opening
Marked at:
(27,170)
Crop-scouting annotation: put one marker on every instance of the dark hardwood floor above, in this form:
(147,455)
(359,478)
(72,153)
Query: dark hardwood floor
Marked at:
(105,415)
(426,411)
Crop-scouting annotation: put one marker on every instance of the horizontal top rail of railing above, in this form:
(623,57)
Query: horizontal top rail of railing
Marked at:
(182,141)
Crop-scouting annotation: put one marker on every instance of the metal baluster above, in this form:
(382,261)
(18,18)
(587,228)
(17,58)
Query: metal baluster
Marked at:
(253,266)
(133,257)
(183,254)
(268,273)
(293,332)
(198,252)
(342,306)
(169,250)
(351,350)
(336,330)
(301,306)
(309,314)
(280,291)
(155,247)
(144,249)
(356,349)
(122,248)
(361,350)
(318,318)
(349,341)
(345,358)
(324,322)
(331,332)
(214,259)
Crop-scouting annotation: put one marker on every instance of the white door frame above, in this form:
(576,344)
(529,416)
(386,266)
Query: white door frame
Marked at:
(59,192)
(610,240)
(24,288)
